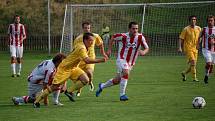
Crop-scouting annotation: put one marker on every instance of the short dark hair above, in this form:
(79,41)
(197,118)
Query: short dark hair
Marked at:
(132,23)
(210,16)
(87,35)
(15,16)
(190,17)
(58,58)
(87,23)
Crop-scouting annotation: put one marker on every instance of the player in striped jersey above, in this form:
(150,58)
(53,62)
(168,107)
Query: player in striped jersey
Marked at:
(38,80)
(208,46)
(129,45)
(189,40)
(16,33)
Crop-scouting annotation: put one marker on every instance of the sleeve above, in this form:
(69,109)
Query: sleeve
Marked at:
(143,42)
(183,34)
(117,37)
(83,53)
(49,74)
(98,40)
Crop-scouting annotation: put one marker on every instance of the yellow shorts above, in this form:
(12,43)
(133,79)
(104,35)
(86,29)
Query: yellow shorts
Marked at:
(85,66)
(63,75)
(191,55)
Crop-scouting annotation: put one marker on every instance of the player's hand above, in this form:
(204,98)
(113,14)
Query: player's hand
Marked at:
(141,52)
(108,53)
(105,56)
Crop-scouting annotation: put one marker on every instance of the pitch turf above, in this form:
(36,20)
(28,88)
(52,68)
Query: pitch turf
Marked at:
(155,89)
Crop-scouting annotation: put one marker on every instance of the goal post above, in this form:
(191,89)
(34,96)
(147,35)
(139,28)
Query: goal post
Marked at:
(161,23)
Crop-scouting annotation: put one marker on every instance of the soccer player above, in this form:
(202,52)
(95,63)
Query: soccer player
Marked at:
(16,33)
(39,79)
(129,47)
(188,43)
(89,68)
(208,46)
(68,69)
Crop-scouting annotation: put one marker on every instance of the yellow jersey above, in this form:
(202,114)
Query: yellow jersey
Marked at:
(97,41)
(74,57)
(190,36)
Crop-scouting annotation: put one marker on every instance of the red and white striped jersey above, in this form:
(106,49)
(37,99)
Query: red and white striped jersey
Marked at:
(44,72)
(129,46)
(16,34)
(208,38)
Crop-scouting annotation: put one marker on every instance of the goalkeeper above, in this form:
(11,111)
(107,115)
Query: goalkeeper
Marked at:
(89,68)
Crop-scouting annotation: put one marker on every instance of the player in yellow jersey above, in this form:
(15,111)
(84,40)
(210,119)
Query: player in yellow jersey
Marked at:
(68,69)
(89,68)
(188,43)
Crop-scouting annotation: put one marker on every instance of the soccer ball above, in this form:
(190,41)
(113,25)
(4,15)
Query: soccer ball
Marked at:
(199,102)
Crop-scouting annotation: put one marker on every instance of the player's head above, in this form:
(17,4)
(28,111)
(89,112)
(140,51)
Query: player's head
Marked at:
(210,20)
(58,59)
(16,19)
(88,39)
(133,28)
(192,20)
(86,27)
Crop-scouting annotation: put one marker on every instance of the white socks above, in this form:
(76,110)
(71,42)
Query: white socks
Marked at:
(13,68)
(56,96)
(107,84)
(123,85)
(19,68)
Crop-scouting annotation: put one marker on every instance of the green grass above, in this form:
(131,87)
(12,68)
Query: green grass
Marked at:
(155,90)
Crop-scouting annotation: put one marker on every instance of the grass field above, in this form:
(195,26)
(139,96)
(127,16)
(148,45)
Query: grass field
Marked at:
(155,90)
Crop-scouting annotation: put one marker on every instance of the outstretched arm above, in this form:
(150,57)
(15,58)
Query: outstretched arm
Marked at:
(111,42)
(88,60)
(180,43)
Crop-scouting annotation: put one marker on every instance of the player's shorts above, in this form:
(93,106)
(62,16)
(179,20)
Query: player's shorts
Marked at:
(63,75)
(122,64)
(33,89)
(16,51)
(208,55)
(191,55)
(85,66)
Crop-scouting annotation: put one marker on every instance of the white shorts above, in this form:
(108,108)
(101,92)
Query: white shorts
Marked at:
(208,55)
(16,51)
(33,89)
(122,64)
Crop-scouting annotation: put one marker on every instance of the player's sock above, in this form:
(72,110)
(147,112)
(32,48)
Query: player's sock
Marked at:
(187,70)
(45,93)
(107,84)
(56,96)
(123,85)
(207,69)
(19,68)
(79,84)
(13,68)
(193,71)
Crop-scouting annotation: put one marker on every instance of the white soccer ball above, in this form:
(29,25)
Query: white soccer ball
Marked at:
(199,102)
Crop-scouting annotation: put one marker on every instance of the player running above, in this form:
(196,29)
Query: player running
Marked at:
(68,69)
(128,50)
(208,46)
(89,68)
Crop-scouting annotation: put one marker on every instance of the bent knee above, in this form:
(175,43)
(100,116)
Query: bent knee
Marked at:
(84,78)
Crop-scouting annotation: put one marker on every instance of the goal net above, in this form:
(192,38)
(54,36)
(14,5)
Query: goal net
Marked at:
(161,23)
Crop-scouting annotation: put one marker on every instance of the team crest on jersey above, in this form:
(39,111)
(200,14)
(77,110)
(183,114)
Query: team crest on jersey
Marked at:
(133,45)
(211,36)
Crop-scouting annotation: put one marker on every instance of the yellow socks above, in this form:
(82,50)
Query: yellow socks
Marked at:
(45,93)
(76,86)
(193,72)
